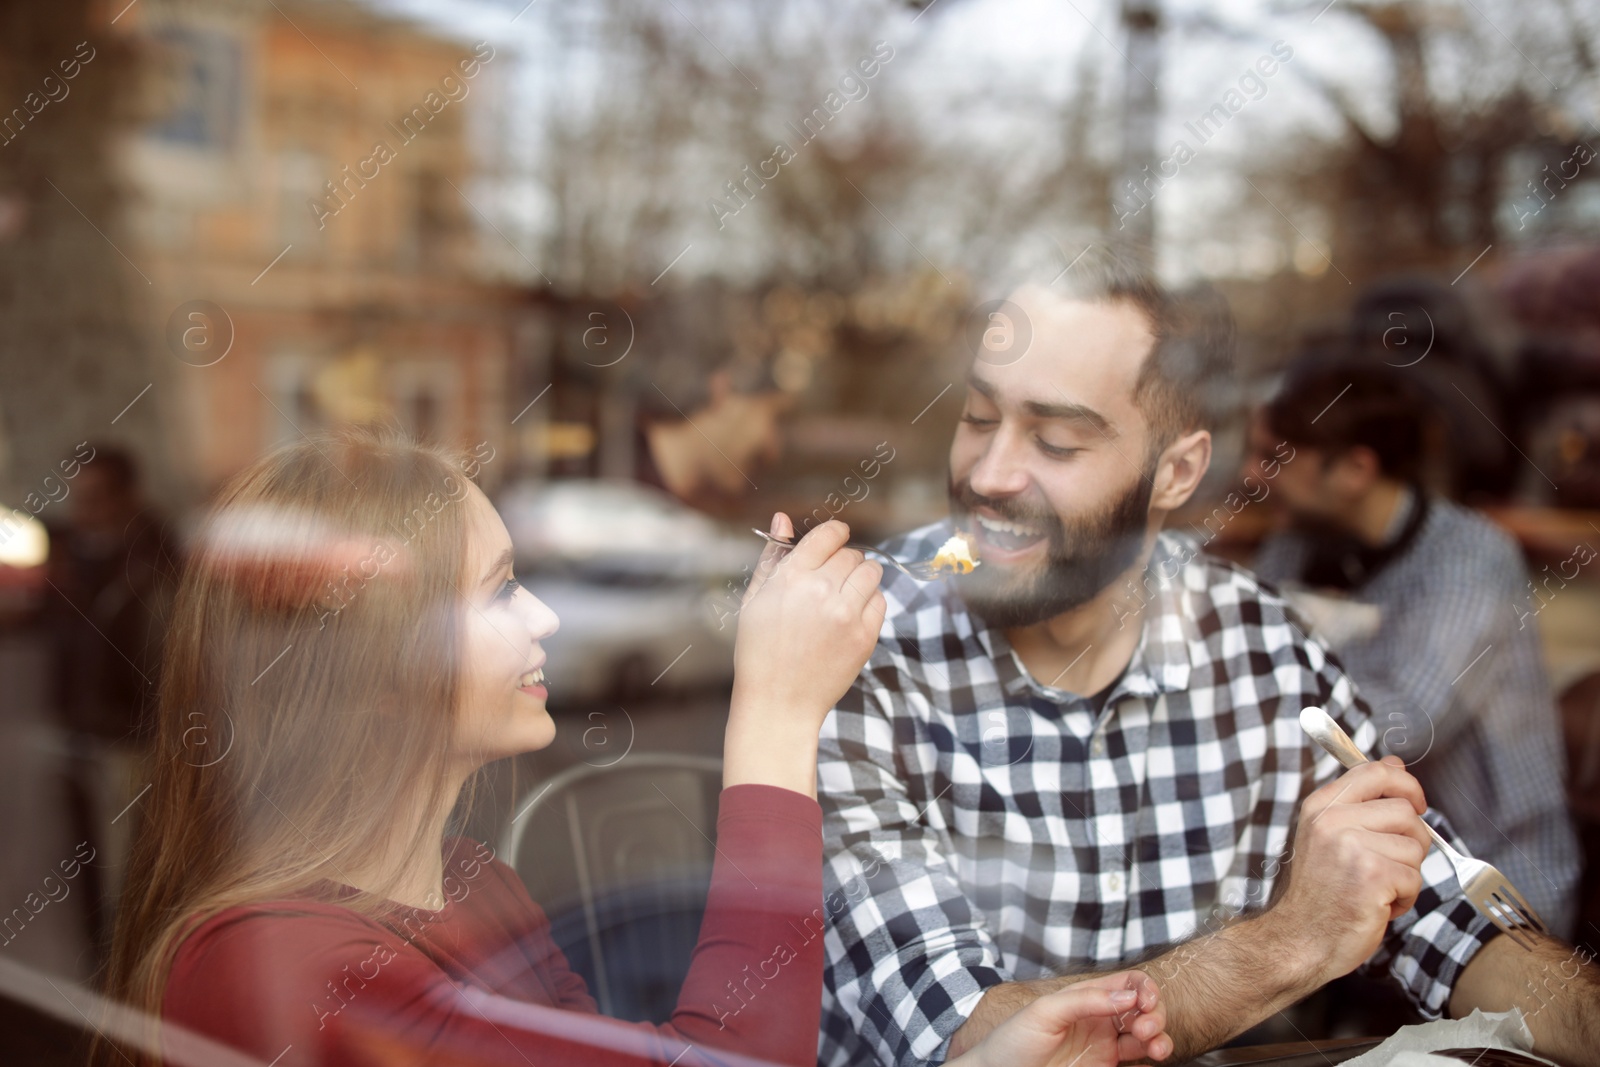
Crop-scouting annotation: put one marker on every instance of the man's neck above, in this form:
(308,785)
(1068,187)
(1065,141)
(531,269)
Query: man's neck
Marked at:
(1372,517)
(1083,650)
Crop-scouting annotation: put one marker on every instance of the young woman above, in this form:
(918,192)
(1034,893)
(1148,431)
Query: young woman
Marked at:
(349,646)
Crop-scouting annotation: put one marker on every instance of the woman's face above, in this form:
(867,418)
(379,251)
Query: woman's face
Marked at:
(501,713)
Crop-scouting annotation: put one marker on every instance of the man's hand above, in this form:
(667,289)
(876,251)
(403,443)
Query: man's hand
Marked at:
(1356,865)
(1098,1022)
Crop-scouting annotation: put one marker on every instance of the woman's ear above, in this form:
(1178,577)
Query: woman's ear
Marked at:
(1179,470)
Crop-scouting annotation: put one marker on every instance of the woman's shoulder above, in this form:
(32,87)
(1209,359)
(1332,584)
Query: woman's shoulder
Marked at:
(472,872)
(487,895)
(286,934)
(473,878)
(250,973)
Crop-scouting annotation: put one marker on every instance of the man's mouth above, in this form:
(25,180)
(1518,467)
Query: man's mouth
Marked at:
(1005,535)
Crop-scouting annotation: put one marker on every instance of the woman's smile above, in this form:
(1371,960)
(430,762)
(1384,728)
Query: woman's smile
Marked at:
(532,682)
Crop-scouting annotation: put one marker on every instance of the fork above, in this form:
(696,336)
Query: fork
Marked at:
(920,570)
(1485,887)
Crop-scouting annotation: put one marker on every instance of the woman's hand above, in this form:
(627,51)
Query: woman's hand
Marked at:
(808,622)
(1094,1023)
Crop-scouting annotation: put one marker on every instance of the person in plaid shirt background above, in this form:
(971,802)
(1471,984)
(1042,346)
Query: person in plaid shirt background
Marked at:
(1086,753)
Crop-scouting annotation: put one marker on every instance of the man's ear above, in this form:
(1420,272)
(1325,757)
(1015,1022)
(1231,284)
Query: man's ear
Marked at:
(1179,470)
(719,388)
(1356,469)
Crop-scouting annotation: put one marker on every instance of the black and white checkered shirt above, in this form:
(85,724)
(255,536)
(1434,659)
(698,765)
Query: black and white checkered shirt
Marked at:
(982,827)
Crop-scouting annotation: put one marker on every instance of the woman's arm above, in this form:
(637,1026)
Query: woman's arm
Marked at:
(755,983)
(807,624)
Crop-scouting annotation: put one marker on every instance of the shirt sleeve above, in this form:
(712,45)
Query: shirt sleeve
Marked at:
(908,955)
(1425,949)
(330,987)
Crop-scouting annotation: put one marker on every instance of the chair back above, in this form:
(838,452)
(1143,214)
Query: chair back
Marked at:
(619,857)
(1580,727)
(1580,722)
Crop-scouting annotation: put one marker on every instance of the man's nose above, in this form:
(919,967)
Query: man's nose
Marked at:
(1000,470)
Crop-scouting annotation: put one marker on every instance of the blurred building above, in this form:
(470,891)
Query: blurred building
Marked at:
(298,201)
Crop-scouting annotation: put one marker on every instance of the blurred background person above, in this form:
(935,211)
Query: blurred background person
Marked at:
(112,571)
(1429,605)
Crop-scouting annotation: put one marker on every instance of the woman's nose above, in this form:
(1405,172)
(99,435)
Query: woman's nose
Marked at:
(541,620)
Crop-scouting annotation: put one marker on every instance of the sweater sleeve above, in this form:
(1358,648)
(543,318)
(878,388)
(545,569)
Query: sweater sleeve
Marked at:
(755,981)
(329,987)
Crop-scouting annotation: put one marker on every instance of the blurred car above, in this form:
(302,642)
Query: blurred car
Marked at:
(645,587)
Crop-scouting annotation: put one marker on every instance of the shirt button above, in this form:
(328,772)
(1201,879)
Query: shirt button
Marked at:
(1099,746)
(1116,883)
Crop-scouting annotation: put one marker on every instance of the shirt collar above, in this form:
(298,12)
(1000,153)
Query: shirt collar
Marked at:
(1405,504)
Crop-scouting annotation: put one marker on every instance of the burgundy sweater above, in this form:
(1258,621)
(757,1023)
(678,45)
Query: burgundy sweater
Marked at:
(301,983)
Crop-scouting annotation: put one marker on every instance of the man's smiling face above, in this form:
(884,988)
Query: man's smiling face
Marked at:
(1051,466)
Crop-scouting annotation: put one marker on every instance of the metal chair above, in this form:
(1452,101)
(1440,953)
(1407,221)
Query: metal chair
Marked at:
(619,858)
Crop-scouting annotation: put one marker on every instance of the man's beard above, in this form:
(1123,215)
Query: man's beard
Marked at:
(1080,561)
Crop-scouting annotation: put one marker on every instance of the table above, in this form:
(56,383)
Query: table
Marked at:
(1289,1054)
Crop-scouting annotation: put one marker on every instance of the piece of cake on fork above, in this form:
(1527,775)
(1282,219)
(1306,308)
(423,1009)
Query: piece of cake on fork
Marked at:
(956,556)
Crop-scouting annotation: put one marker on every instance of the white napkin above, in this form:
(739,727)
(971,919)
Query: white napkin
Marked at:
(1412,1046)
(1338,620)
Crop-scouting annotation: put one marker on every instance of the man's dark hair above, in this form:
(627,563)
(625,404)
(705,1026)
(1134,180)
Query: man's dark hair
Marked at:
(1186,382)
(1334,407)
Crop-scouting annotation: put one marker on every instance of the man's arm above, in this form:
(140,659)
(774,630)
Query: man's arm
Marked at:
(1214,986)
(1356,866)
(1556,985)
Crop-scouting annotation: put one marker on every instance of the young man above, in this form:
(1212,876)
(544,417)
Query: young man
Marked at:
(1453,673)
(1086,752)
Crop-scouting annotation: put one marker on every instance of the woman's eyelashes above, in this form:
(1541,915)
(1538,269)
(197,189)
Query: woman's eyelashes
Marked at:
(508,589)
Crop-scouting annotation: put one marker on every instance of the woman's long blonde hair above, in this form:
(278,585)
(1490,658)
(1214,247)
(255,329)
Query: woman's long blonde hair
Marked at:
(307,693)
